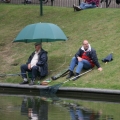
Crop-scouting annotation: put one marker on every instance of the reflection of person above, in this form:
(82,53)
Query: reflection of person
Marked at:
(76,115)
(31,115)
(37,63)
(24,108)
(43,112)
(33,105)
(34,108)
(79,113)
(85,58)
(72,113)
(86,4)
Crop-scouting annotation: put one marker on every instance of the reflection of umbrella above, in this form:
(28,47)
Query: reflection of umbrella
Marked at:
(40,32)
(108,58)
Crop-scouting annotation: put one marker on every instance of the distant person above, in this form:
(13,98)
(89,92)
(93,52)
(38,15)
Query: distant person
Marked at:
(85,58)
(86,4)
(36,64)
(27,2)
(6,1)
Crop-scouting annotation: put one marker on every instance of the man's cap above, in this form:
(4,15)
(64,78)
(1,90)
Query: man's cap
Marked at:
(37,43)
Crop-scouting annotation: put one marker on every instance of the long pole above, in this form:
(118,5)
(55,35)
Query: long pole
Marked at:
(41,8)
(74,78)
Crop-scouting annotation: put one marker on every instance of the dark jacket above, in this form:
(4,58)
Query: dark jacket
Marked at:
(91,54)
(42,62)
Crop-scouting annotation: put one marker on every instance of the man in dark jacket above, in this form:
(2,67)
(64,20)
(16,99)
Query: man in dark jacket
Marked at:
(85,58)
(36,64)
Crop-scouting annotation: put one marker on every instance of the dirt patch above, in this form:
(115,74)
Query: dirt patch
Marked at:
(6,53)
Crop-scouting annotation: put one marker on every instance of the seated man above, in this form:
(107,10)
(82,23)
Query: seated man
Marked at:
(85,58)
(87,4)
(37,63)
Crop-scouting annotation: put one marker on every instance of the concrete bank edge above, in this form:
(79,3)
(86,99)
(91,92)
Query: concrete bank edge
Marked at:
(71,89)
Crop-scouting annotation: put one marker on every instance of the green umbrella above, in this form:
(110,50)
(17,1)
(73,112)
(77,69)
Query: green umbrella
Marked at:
(40,32)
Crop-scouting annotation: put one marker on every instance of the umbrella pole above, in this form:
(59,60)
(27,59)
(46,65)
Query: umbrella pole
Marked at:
(41,8)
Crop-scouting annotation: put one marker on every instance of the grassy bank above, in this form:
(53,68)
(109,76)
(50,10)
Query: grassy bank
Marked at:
(100,26)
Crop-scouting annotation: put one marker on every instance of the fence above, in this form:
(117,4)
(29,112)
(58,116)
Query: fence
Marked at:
(65,3)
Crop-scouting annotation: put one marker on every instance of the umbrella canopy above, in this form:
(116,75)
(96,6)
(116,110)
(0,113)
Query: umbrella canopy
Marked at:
(40,32)
(108,58)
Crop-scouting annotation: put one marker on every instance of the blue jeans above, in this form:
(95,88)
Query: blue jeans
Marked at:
(84,64)
(79,113)
(72,114)
(76,115)
(86,5)
(34,71)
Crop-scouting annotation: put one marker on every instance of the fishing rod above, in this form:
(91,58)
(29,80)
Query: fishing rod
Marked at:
(54,88)
(15,74)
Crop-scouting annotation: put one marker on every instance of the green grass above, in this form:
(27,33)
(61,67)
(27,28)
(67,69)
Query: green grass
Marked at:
(101,27)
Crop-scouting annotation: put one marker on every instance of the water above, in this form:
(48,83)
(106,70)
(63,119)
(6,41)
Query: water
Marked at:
(52,107)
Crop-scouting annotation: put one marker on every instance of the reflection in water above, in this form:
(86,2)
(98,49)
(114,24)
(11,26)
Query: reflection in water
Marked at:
(50,107)
(80,113)
(37,109)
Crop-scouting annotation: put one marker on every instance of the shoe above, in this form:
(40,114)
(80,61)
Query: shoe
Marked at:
(73,105)
(74,7)
(24,82)
(70,75)
(76,76)
(77,8)
(32,82)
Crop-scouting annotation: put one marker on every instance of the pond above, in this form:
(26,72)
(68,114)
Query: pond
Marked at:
(55,107)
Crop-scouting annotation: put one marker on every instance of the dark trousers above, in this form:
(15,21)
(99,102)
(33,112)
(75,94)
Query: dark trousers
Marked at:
(34,71)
